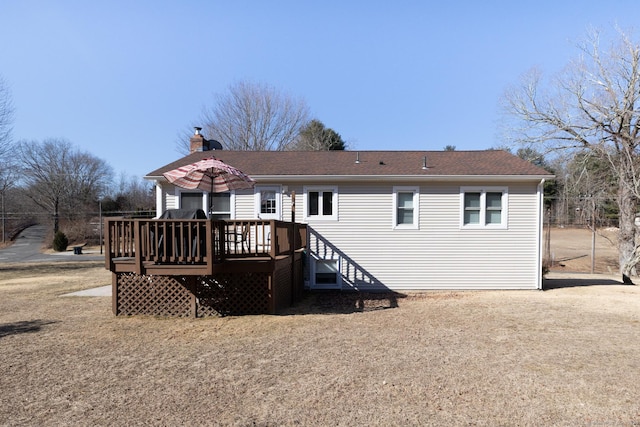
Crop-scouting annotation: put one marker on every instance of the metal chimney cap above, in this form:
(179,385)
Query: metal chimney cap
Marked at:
(197,130)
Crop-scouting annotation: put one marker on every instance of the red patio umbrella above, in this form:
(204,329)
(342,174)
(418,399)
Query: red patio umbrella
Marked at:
(211,175)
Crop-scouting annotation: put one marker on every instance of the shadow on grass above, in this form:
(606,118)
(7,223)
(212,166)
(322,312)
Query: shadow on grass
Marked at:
(549,284)
(24,327)
(344,302)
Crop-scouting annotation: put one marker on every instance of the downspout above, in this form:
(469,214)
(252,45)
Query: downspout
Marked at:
(540,218)
(159,201)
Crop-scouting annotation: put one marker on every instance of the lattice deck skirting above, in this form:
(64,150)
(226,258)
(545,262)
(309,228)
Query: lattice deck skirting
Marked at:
(222,294)
(233,294)
(152,295)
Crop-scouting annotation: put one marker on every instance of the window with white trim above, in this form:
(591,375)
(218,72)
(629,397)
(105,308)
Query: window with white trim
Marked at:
(220,205)
(483,207)
(406,202)
(268,202)
(320,203)
(216,205)
(325,273)
(191,200)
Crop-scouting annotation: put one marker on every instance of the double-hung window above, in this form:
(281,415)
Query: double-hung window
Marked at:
(220,205)
(483,207)
(406,207)
(321,203)
(216,205)
(191,200)
(268,202)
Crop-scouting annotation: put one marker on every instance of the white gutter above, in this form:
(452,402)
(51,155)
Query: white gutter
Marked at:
(159,200)
(413,178)
(380,178)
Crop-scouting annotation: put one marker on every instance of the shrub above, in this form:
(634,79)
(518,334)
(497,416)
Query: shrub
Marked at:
(60,242)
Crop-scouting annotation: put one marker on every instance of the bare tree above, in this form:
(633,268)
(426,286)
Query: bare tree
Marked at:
(130,194)
(6,120)
(59,178)
(315,136)
(592,105)
(7,163)
(252,116)
(8,177)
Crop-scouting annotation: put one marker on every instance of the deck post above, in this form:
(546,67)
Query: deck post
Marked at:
(210,242)
(107,246)
(137,241)
(272,292)
(274,239)
(114,293)
(293,250)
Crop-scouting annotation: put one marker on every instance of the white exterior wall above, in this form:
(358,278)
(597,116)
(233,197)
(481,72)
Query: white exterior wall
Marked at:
(244,204)
(171,201)
(439,254)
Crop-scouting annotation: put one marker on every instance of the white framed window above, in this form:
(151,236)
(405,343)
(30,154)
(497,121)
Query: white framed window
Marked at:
(320,202)
(406,207)
(483,207)
(220,206)
(216,205)
(268,202)
(191,200)
(325,274)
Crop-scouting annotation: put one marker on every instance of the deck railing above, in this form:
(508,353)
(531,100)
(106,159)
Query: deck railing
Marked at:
(198,241)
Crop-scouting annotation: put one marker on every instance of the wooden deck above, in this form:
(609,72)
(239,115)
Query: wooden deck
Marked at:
(197,246)
(199,255)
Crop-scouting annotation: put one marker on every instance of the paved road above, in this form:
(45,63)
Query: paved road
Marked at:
(28,245)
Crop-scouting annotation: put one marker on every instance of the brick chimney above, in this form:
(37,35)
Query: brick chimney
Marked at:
(197,142)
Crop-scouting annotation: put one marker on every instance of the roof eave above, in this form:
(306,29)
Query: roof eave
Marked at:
(400,178)
(378,178)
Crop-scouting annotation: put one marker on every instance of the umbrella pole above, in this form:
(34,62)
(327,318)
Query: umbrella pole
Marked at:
(211,193)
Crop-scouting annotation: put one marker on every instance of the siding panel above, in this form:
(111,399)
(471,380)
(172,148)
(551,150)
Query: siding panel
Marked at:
(437,255)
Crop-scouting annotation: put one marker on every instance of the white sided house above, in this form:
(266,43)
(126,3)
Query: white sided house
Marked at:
(391,220)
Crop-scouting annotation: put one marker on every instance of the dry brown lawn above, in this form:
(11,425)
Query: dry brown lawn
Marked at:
(565,356)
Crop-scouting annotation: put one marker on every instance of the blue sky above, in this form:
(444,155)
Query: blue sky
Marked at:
(121,79)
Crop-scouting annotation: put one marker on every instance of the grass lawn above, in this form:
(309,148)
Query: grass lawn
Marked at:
(566,356)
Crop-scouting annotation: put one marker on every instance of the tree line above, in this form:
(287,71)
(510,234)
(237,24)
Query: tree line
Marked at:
(52,182)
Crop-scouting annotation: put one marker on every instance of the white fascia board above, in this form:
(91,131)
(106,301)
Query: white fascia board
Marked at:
(399,178)
(378,178)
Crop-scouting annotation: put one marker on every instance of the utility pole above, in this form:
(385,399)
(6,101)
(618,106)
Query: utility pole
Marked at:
(592,204)
(100,207)
(548,239)
(3,217)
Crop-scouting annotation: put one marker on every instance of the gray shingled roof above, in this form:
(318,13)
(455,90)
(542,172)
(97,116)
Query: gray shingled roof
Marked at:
(371,163)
